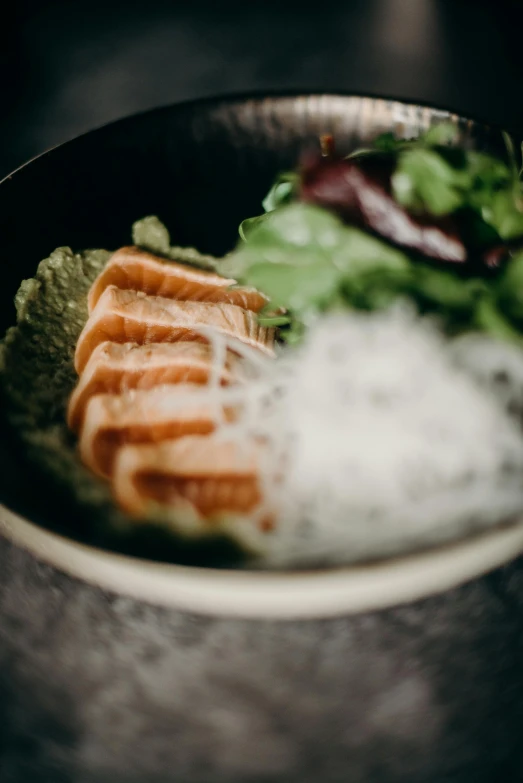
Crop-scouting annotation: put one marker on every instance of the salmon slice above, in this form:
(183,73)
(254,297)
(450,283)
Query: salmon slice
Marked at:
(118,367)
(143,416)
(132,268)
(131,316)
(212,476)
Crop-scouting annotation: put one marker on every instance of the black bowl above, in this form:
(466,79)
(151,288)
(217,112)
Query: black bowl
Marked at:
(119,669)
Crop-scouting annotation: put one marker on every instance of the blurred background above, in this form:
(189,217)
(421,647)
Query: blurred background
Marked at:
(70,65)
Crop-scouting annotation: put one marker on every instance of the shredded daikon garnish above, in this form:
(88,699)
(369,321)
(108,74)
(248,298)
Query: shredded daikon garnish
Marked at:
(377,438)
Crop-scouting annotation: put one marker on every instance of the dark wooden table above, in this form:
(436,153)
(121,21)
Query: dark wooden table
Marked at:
(67,67)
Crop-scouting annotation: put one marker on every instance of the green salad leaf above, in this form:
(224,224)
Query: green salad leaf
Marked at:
(295,255)
(248,224)
(489,318)
(424,181)
(504,212)
(440,182)
(510,289)
(282,192)
(307,261)
(432,176)
(441,134)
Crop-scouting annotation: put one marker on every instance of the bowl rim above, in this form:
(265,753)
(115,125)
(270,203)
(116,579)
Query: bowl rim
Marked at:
(270,595)
(258,95)
(299,595)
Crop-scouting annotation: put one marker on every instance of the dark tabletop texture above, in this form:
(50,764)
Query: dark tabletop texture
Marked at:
(66,67)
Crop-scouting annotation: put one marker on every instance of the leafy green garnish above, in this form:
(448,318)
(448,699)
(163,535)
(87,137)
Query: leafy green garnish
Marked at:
(281,192)
(489,318)
(428,178)
(150,234)
(433,180)
(249,223)
(425,182)
(294,256)
(510,289)
(504,212)
(433,177)
(306,261)
(441,134)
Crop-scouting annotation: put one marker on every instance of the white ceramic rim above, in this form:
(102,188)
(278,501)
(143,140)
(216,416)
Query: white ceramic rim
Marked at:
(264,595)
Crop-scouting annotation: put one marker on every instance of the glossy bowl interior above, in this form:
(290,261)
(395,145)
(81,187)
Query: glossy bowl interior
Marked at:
(201,167)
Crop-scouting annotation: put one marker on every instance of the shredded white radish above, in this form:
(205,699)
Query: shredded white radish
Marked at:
(377,435)
(379,438)
(496,366)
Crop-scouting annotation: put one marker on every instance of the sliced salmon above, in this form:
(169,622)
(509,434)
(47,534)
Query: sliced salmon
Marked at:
(213,476)
(143,416)
(118,367)
(132,268)
(131,316)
